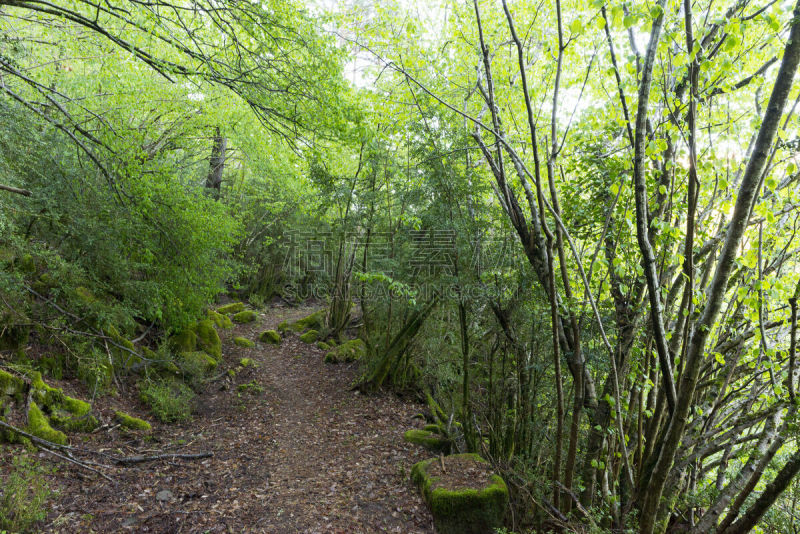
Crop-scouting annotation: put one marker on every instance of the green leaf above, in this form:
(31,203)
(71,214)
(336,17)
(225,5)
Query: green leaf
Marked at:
(629,21)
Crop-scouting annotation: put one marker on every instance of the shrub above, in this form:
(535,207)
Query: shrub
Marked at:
(25,493)
(170,400)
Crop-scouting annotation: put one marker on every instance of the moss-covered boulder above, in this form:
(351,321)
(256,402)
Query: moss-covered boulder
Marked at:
(233,307)
(39,426)
(349,351)
(132,423)
(65,412)
(243,342)
(270,336)
(465,497)
(11,386)
(185,341)
(208,339)
(310,337)
(430,440)
(315,321)
(222,321)
(245,316)
(323,346)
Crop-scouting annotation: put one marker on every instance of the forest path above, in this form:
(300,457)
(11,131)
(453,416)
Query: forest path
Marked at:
(294,451)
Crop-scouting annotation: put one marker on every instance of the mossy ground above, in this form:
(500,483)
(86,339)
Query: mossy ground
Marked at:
(474,510)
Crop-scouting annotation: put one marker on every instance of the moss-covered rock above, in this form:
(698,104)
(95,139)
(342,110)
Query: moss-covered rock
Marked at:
(233,307)
(284,327)
(39,426)
(243,342)
(65,412)
(11,386)
(270,336)
(222,321)
(461,510)
(323,346)
(430,440)
(246,316)
(185,341)
(315,321)
(310,337)
(132,423)
(349,351)
(208,339)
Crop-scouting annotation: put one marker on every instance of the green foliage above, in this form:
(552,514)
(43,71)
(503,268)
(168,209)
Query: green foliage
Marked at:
(25,494)
(170,400)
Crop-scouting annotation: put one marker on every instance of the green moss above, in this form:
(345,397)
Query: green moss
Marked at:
(222,321)
(428,439)
(323,346)
(462,511)
(132,423)
(270,336)
(185,341)
(315,321)
(247,362)
(283,327)
(310,337)
(436,429)
(246,316)
(243,342)
(233,307)
(11,386)
(348,351)
(39,426)
(208,339)
(68,413)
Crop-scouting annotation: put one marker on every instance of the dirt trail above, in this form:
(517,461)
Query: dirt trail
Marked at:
(295,451)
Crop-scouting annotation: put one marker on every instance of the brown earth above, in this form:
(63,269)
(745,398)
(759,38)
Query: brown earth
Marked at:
(296,451)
